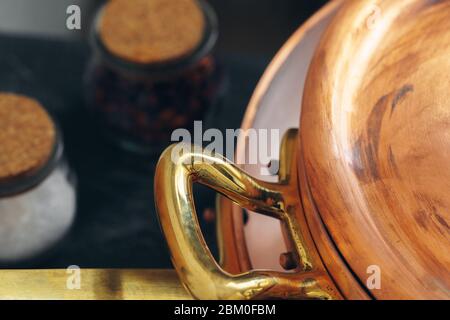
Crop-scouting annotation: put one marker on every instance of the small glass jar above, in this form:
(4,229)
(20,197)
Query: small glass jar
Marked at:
(140,105)
(37,206)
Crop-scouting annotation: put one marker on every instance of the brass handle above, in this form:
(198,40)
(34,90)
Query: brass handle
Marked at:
(196,267)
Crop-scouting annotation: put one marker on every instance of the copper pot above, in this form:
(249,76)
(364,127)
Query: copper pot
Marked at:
(363,184)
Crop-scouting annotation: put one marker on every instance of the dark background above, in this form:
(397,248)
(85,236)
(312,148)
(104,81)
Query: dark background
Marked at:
(116,223)
(260,26)
(247,26)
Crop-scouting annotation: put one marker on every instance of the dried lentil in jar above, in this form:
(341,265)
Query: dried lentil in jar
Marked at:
(37,193)
(153,70)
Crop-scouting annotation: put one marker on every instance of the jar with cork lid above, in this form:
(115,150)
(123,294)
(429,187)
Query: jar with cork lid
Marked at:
(37,193)
(152,70)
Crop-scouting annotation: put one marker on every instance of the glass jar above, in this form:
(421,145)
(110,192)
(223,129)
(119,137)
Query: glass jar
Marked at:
(37,192)
(140,105)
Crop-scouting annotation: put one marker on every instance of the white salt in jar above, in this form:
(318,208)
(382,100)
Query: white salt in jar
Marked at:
(37,193)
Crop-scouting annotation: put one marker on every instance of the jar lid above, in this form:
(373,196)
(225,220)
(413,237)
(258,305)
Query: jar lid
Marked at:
(28,143)
(162,68)
(151,31)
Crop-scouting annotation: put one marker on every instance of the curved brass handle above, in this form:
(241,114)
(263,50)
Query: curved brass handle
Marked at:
(195,265)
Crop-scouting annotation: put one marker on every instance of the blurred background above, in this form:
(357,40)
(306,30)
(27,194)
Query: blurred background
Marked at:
(116,224)
(248,26)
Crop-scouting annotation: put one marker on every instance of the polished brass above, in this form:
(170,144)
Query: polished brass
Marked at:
(195,265)
(95,284)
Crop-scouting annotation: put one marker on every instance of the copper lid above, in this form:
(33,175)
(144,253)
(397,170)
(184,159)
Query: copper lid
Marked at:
(27,137)
(152,31)
(375,135)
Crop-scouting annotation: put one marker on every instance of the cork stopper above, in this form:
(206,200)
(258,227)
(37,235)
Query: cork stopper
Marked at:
(151,31)
(27,137)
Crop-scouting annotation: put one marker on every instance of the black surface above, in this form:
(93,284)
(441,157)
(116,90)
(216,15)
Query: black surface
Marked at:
(116,223)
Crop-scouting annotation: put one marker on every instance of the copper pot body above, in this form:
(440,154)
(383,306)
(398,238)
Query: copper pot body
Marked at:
(363,185)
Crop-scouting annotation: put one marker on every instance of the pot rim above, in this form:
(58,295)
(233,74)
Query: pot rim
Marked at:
(232,229)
